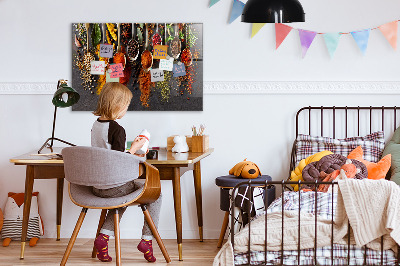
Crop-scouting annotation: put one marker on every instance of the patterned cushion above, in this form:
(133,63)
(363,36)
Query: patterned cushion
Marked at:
(372,144)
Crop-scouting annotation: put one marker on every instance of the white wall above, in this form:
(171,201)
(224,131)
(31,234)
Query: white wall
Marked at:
(35,47)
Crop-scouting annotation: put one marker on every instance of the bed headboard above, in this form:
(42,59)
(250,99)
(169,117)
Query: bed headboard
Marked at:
(344,121)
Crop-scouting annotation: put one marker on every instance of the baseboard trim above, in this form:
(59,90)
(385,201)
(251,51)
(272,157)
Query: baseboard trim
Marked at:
(244,87)
(136,234)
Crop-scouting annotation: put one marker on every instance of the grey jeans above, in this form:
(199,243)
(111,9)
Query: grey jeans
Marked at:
(154,208)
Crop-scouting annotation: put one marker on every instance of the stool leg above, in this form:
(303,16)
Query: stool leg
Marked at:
(73,237)
(156,235)
(101,222)
(117,239)
(223,229)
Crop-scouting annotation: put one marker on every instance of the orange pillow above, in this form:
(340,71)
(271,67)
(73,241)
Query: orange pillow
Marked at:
(375,170)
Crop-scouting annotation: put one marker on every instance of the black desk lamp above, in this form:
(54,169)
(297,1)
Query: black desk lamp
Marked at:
(64,97)
(273,11)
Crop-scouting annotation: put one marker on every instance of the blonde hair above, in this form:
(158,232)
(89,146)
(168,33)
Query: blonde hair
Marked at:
(113,98)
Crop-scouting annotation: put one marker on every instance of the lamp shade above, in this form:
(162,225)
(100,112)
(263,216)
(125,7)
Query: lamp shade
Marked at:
(273,11)
(65,96)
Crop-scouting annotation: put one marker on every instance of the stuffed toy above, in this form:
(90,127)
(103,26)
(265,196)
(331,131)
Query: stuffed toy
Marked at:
(375,170)
(328,164)
(348,170)
(245,169)
(296,174)
(13,215)
(180,144)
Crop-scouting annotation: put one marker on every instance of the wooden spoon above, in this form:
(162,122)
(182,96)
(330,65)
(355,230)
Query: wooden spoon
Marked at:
(119,57)
(88,57)
(176,45)
(133,46)
(147,57)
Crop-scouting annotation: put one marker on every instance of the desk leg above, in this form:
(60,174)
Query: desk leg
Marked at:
(60,190)
(27,206)
(199,204)
(176,182)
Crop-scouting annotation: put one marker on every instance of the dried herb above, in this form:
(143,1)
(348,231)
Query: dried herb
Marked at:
(164,86)
(96,34)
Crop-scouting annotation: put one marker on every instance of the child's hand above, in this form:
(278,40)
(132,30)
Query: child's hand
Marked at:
(137,144)
(143,155)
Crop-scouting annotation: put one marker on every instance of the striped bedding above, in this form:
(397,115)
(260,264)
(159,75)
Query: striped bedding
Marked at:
(322,207)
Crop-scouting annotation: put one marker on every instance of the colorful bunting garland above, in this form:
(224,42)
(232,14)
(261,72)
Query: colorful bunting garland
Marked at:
(389,30)
(281,31)
(256,28)
(213,2)
(306,39)
(237,9)
(332,41)
(361,37)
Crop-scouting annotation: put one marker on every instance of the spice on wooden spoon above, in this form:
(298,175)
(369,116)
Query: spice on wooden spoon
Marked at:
(176,45)
(102,79)
(133,46)
(186,56)
(147,57)
(88,57)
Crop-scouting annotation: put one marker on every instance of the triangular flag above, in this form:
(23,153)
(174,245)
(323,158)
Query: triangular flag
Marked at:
(361,37)
(237,9)
(306,39)
(332,41)
(281,31)
(255,28)
(213,2)
(390,32)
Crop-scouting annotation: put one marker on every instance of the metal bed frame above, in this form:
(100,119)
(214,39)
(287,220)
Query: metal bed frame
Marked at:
(284,184)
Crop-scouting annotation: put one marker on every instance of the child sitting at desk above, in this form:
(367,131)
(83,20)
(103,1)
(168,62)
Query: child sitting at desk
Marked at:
(106,133)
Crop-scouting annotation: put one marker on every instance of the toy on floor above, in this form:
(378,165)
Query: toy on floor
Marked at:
(13,215)
(245,169)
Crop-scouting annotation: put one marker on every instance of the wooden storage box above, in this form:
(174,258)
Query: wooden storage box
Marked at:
(200,143)
(171,143)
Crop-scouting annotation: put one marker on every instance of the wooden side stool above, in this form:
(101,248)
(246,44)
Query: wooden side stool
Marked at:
(226,183)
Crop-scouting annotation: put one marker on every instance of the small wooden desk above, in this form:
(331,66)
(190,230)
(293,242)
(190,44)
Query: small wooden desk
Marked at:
(170,165)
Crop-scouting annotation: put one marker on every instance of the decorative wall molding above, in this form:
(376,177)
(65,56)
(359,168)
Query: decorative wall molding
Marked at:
(250,87)
(302,87)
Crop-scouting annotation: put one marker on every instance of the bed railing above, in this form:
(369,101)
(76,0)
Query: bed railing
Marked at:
(333,120)
(283,184)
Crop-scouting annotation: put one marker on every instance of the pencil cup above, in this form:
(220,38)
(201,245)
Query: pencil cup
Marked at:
(200,143)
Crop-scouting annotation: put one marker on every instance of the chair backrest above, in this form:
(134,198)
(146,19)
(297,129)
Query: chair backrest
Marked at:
(92,166)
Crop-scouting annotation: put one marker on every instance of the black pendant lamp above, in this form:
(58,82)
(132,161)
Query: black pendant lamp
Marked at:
(273,11)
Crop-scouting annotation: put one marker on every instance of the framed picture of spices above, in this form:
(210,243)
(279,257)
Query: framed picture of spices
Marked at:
(161,63)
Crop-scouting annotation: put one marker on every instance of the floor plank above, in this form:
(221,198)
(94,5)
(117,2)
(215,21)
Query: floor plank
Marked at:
(49,252)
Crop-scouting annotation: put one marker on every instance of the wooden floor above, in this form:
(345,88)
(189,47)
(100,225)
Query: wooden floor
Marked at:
(50,252)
